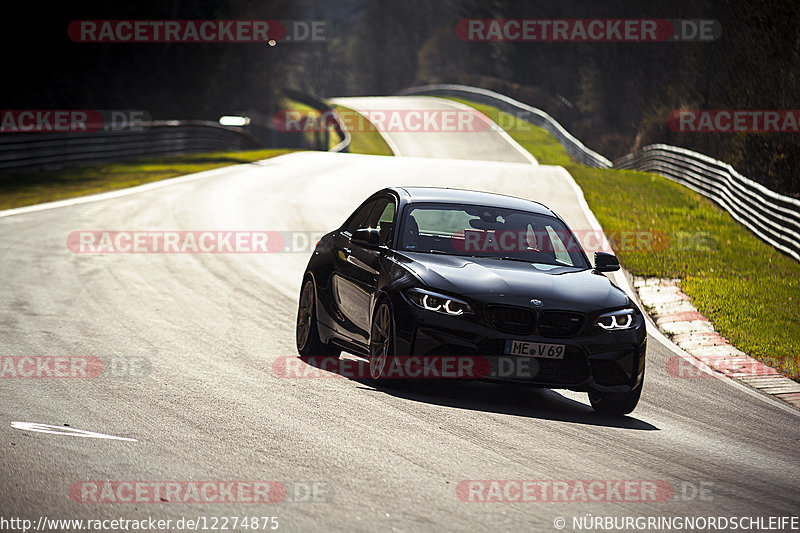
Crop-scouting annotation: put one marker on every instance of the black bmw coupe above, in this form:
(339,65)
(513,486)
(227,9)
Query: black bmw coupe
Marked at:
(447,273)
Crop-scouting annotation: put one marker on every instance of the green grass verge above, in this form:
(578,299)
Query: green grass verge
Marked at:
(26,188)
(365,138)
(749,290)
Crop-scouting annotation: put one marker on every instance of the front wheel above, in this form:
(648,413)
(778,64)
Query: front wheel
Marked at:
(616,403)
(381,344)
(308,341)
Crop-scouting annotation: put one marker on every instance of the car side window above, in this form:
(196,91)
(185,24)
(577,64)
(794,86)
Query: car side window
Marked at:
(382,218)
(359,219)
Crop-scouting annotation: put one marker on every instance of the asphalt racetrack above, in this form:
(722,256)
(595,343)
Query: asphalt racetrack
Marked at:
(208,405)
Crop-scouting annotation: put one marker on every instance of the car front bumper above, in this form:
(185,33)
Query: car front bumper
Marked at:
(598,361)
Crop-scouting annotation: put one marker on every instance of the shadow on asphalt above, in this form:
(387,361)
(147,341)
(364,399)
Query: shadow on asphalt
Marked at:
(509,399)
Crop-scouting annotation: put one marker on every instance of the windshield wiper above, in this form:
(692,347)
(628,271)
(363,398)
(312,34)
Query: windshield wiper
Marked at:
(507,258)
(440,252)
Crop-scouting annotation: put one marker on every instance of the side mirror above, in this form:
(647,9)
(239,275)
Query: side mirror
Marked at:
(605,262)
(366,237)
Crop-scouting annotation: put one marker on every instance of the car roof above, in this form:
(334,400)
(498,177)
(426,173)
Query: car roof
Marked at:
(446,195)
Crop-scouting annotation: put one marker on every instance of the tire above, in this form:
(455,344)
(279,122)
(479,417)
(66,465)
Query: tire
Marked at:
(381,345)
(616,403)
(306,330)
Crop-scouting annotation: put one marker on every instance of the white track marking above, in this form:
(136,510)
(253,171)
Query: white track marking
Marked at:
(125,192)
(64,431)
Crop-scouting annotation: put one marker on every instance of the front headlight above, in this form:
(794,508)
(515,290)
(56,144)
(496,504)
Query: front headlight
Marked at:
(617,320)
(439,303)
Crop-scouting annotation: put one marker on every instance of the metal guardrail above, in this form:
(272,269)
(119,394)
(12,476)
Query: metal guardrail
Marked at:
(327,110)
(344,145)
(773,217)
(537,117)
(49,150)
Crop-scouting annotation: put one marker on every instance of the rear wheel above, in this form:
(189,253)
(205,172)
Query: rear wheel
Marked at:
(308,341)
(616,403)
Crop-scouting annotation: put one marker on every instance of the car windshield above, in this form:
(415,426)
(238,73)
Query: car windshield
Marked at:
(482,231)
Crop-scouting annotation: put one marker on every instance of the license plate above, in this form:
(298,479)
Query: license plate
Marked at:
(535,349)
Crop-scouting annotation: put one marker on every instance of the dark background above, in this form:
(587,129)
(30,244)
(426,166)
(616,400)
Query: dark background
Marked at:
(615,97)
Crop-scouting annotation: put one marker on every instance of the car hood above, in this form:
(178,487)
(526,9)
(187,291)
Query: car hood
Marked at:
(515,282)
